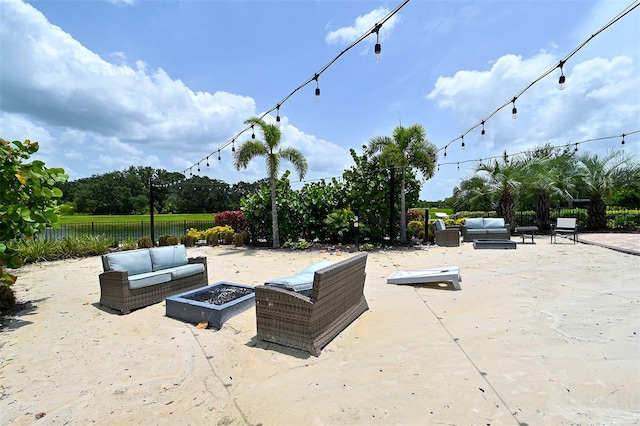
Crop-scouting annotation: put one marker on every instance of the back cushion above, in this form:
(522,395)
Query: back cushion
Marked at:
(134,261)
(474,222)
(168,256)
(440,226)
(493,222)
(301,281)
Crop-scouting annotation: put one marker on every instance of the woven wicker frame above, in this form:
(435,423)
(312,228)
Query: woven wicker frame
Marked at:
(310,323)
(116,294)
(449,237)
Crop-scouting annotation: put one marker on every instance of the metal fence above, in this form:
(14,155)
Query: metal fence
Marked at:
(617,220)
(120,231)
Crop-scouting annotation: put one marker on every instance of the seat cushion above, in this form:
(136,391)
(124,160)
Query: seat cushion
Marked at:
(493,222)
(168,257)
(302,282)
(147,279)
(479,231)
(133,261)
(178,272)
(473,223)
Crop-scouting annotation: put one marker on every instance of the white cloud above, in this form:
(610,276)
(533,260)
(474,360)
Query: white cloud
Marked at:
(362,24)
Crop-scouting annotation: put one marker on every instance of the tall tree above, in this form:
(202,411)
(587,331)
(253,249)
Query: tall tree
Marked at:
(599,175)
(269,148)
(407,150)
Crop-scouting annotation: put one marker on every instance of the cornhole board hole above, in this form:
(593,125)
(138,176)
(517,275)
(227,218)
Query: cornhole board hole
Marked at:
(421,276)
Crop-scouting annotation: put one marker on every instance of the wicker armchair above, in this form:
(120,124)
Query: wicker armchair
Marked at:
(446,236)
(311,322)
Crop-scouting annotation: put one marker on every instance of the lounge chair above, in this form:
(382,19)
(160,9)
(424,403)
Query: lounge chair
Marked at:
(565,225)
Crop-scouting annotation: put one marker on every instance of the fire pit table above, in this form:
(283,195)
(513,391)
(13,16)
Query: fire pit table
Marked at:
(494,244)
(214,304)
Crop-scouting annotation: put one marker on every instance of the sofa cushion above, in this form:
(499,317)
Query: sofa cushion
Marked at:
(168,257)
(477,231)
(133,261)
(493,222)
(178,272)
(147,279)
(302,282)
(474,222)
(439,225)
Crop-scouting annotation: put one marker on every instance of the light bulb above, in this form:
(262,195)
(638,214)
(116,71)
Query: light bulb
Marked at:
(317,94)
(561,81)
(514,112)
(377,51)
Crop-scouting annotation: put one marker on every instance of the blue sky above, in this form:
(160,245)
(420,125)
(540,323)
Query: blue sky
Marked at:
(104,85)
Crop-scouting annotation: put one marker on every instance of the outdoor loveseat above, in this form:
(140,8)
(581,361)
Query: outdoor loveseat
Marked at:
(137,278)
(485,228)
(309,323)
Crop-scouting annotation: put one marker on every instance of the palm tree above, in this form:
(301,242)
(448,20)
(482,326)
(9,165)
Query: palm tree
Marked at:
(268,148)
(549,174)
(408,149)
(599,175)
(504,179)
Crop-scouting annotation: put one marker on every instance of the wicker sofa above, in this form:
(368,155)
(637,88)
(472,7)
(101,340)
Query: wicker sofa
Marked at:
(309,323)
(485,228)
(137,278)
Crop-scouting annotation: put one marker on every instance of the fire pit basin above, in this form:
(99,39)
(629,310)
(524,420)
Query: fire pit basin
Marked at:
(215,303)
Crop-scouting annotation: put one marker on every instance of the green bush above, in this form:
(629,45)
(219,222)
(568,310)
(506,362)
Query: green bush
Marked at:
(415,228)
(129,243)
(172,240)
(188,240)
(145,242)
(298,245)
(36,250)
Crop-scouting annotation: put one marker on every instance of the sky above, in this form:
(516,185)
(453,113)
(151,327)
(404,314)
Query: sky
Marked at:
(103,85)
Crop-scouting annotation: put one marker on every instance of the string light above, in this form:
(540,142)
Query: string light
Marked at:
(207,161)
(561,80)
(278,116)
(233,146)
(377,49)
(623,139)
(315,77)
(576,149)
(462,137)
(482,132)
(198,167)
(514,110)
(253,133)
(219,158)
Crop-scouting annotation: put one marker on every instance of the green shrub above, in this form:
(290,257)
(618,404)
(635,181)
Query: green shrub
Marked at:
(172,240)
(145,242)
(129,243)
(36,250)
(238,240)
(415,228)
(94,245)
(228,236)
(298,245)
(188,240)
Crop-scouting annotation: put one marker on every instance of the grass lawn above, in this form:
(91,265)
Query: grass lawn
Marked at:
(135,218)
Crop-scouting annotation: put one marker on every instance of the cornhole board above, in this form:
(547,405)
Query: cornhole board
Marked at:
(420,276)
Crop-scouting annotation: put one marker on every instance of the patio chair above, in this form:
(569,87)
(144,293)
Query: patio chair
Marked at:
(567,226)
(446,236)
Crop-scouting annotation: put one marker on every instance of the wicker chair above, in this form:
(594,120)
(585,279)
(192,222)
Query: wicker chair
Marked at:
(446,236)
(310,323)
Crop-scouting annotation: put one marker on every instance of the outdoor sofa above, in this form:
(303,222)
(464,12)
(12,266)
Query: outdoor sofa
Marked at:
(309,323)
(137,278)
(485,228)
